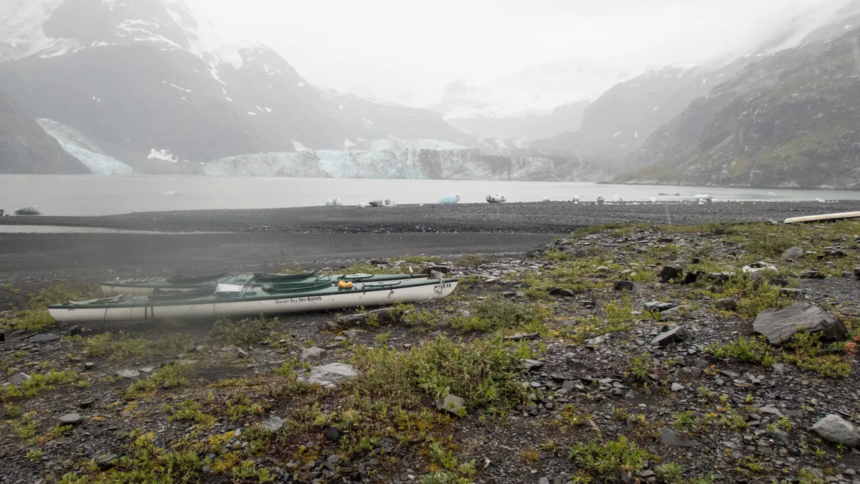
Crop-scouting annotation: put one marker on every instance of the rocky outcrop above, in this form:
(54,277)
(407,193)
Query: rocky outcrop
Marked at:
(779,325)
(25,148)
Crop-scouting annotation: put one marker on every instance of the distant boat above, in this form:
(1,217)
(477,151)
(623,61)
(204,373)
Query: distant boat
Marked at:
(449,200)
(23,211)
(496,198)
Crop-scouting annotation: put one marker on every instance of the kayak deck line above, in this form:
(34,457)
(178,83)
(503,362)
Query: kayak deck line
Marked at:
(148,285)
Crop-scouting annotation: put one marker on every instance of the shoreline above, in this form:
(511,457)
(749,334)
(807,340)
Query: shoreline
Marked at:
(519,218)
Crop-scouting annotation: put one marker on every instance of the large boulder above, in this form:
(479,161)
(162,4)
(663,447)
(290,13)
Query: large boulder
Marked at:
(669,273)
(779,325)
(677,335)
(834,428)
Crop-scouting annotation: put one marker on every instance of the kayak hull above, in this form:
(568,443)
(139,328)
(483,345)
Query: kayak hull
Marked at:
(238,307)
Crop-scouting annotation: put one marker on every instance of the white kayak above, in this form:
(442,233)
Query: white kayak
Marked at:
(233,301)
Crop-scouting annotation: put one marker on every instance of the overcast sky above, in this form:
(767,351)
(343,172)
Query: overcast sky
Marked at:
(407,51)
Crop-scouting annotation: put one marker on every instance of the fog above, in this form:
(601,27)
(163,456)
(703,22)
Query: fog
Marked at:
(408,51)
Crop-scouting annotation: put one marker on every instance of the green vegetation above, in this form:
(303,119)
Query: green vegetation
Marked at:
(804,350)
(122,346)
(26,427)
(482,372)
(189,410)
(608,460)
(619,317)
(37,384)
(243,332)
(166,377)
(497,313)
(37,318)
(752,297)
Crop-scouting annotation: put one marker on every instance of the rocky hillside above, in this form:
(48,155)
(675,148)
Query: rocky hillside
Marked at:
(620,121)
(155,86)
(622,118)
(25,148)
(789,120)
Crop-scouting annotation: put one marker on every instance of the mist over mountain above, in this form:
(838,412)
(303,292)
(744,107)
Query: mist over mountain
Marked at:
(151,87)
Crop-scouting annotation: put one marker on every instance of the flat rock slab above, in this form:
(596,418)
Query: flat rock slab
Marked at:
(522,337)
(128,373)
(779,325)
(273,423)
(794,253)
(331,374)
(452,404)
(659,306)
(834,428)
(672,336)
(19,378)
(43,338)
(354,333)
(312,354)
(676,439)
(71,419)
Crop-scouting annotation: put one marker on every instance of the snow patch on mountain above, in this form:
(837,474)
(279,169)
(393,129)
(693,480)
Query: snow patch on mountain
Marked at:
(81,148)
(21,27)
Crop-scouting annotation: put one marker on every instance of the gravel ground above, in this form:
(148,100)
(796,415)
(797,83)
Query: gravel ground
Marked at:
(596,371)
(545,218)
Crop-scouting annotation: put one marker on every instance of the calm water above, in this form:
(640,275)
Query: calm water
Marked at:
(93,195)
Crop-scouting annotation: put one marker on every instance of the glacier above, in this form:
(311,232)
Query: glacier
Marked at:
(81,148)
(412,159)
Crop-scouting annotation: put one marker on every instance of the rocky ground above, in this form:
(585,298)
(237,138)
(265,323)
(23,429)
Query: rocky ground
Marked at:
(617,353)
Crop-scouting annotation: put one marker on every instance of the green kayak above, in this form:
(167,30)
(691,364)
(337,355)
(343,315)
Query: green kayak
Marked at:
(148,285)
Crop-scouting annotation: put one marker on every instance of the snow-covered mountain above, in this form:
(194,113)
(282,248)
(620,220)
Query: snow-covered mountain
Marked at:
(156,87)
